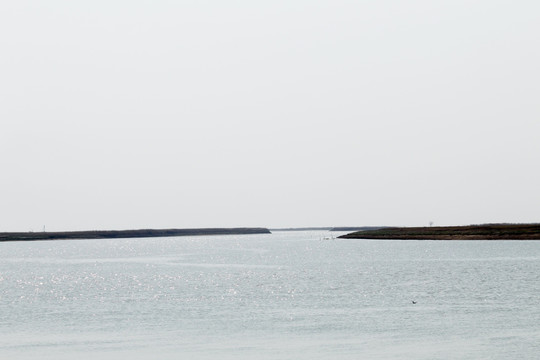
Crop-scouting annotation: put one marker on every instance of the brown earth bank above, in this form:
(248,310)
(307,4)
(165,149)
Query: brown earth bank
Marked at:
(469,232)
(116,234)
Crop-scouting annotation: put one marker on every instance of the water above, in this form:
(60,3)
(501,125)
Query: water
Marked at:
(287,295)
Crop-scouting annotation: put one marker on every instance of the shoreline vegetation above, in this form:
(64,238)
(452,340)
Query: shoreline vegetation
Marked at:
(469,232)
(118,234)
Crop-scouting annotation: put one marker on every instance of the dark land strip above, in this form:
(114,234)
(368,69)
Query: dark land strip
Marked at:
(470,232)
(117,234)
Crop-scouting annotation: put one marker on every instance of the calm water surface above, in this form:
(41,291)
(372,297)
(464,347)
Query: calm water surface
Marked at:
(288,295)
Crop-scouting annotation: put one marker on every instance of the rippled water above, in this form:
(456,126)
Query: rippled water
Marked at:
(288,295)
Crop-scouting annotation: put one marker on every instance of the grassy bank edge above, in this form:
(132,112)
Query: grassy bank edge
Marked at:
(117,234)
(469,232)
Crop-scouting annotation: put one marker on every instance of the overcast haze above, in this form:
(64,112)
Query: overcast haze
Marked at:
(174,114)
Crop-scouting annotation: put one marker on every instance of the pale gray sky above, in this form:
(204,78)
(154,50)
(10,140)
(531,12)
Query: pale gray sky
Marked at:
(136,114)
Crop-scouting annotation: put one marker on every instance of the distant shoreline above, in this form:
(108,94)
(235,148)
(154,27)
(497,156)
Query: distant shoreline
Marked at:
(119,234)
(302,229)
(470,232)
(338,228)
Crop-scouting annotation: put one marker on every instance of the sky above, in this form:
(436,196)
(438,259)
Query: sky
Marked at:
(179,114)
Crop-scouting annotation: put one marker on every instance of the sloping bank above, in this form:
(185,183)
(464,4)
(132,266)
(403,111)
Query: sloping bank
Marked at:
(116,234)
(470,232)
